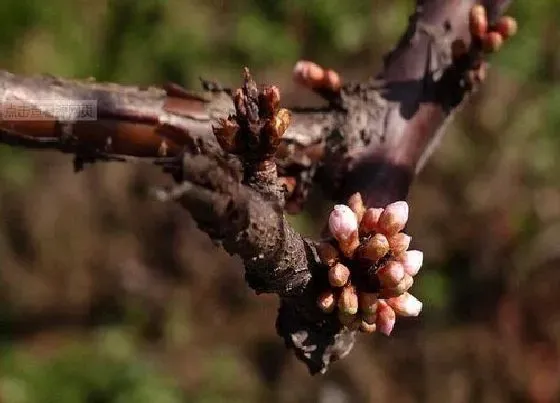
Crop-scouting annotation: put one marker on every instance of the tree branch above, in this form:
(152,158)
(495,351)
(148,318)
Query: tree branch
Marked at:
(373,138)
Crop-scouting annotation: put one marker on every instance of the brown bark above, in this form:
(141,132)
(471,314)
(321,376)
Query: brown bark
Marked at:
(374,140)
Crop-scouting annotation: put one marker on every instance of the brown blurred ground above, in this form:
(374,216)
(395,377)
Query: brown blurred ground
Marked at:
(91,267)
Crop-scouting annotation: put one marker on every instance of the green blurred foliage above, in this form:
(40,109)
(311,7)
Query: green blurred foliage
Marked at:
(485,211)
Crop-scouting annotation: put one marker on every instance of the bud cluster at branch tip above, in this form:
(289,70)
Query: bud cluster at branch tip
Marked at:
(487,37)
(255,131)
(370,269)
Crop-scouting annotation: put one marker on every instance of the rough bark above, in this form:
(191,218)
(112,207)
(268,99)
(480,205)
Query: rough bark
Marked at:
(374,141)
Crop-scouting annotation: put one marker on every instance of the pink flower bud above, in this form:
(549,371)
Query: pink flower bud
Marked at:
(393,219)
(326,301)
(348,300)
(369,221)
(386,318)
(338,275)
(375,248)
(412,261)
(399,242)
(400,289)
(405,305)
(356,204)
(391,274)
(342,222)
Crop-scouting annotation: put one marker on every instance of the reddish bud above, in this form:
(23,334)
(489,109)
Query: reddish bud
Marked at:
(403,286)
(326,301)
(386,318)
(478,21)
(342,222)
(370,220)
(327,253)
(338,275)
(399,242)
(506,26)
(331,80)
(348,300)
(405,305)
(391,274)
(393,219)
(375,248)
(492,42)
(356,204)
(349,246)
(412,261)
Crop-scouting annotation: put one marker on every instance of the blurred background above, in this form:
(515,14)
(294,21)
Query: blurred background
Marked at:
(107,296)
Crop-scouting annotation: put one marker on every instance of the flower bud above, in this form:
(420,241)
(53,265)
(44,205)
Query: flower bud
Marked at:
(338,275)
(412,261)
(369,221)
(492,42)
(331,81)
(393,219)
(327,253)
(478,21)
(348,300)
(349,246)
(405,305)
(399,242)
(400,289)
(386,318)
(367,327)
(506,26)
(375,248)
(326,301)
(342,222)
(391,274)
(356,204)
(368,303)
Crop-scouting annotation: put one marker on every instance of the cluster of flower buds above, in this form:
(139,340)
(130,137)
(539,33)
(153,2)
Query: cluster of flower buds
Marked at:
(487,38)
(254,132)
(370,268)
(493,36)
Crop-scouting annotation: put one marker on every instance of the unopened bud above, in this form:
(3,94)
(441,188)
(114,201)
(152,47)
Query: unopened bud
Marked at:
(375,248)
(400,289)
(385,318)
(391,274)
(506,26)
(370,220)
(367,327)
(367,302)
(399,242)
(393,219)
(331,81)
(327,253)
(412,261)
(271,97)
(349,246)
(342,222)
(405,305)
(338,275)
(326,301)
(348,300)
(492,42)
(356,204)
(478,21)
(281,122)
